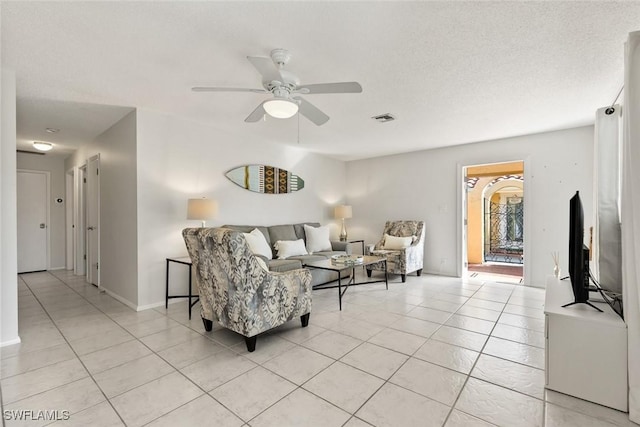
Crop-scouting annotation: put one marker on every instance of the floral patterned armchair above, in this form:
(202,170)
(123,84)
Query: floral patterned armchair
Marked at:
(401,261)
(237,292)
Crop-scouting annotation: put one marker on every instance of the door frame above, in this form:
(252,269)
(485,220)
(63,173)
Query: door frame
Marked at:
(79,214)
(47,206)
(70,219)
(461,198)
(95,158)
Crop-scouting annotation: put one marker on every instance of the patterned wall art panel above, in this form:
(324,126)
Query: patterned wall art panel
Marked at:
(265,179)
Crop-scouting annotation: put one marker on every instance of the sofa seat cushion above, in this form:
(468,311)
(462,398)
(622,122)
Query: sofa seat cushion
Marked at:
(282,265)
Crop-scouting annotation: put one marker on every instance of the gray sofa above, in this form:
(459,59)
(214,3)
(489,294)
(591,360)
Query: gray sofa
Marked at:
(274,233)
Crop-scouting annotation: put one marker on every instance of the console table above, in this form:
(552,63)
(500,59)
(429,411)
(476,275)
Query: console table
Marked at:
(185,261)
(586,351)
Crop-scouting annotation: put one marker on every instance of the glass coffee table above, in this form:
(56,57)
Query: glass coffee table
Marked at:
(328,264)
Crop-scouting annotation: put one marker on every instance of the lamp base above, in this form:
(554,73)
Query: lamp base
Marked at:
(343,232)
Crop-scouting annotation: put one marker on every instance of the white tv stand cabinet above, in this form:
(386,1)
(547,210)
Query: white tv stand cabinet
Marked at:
(586,351)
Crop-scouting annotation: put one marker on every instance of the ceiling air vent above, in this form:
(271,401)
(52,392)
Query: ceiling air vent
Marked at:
(382,118)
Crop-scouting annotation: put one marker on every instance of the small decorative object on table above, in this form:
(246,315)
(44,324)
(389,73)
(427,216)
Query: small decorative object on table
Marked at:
(347,259)
(556,262)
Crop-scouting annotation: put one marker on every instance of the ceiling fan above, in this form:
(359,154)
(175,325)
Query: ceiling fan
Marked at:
(285,88)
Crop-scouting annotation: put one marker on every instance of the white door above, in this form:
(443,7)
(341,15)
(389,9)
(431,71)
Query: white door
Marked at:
(32,190)
(93,220)
(465,222)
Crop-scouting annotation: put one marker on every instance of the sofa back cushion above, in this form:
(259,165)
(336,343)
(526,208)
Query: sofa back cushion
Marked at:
(300,229)
(276,232)
(317,238)
(249,228)
(258,243)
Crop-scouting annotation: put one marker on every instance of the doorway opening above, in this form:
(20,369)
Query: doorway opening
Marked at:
(494,231)
(33,194)
(83,218)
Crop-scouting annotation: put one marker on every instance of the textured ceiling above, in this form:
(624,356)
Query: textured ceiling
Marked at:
(451,72)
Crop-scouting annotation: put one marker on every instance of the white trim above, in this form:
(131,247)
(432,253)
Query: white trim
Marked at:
(80,246)
(121,299)
(10,342)
(96,158)
(132,305)
(460,206)
(154,305)
(56,268)
(69,219)
(526,223)
(47,203)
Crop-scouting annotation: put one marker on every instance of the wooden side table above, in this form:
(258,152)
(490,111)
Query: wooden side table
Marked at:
(184,261)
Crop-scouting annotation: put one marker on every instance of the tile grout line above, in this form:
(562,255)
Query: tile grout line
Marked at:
(301,344)
(166,361)
(72,349)
(134,338)
(466,380)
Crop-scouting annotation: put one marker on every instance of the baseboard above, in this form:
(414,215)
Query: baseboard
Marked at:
(438,273)
(149,306)
(121,299)
(10,342)
(139,307)
(56,268)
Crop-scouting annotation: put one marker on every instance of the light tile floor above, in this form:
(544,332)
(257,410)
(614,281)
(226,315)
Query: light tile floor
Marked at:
(432,351)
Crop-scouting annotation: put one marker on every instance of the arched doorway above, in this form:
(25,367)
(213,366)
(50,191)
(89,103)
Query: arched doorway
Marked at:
(494,230)
(503,220)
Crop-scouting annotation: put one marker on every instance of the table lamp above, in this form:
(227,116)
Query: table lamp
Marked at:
(201,209)
(342,212)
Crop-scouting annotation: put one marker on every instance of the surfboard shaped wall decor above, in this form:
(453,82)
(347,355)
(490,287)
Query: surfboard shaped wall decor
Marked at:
(265,179)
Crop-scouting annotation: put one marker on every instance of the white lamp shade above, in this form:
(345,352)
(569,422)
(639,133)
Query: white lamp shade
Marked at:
(201,209)
(42,146)
(280,108)
(343,211)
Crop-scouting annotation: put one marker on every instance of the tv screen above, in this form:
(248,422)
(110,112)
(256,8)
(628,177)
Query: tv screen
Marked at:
(578,252)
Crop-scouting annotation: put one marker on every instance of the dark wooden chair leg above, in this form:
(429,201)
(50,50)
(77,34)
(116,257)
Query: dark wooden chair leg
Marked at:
(251,343)
(368,273)
(208,324)
(403,277)
(419,272)
(305,320)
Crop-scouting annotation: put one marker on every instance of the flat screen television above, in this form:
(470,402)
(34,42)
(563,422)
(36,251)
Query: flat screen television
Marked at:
(578,254)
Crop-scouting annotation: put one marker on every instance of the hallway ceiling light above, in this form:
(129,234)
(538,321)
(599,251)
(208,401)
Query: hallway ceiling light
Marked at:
(52,130)
(42,146)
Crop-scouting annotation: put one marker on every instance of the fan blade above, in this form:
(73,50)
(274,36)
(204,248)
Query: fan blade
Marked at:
(266,68)
(311,112)
(344,87)
(257,114)
(226,89)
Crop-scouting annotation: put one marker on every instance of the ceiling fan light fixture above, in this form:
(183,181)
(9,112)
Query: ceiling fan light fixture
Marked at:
(42,146)
(280,108)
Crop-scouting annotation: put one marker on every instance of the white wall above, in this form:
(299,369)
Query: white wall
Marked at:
(118,206)
(55,167)
(8,206)
(423,185)
(180,159)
